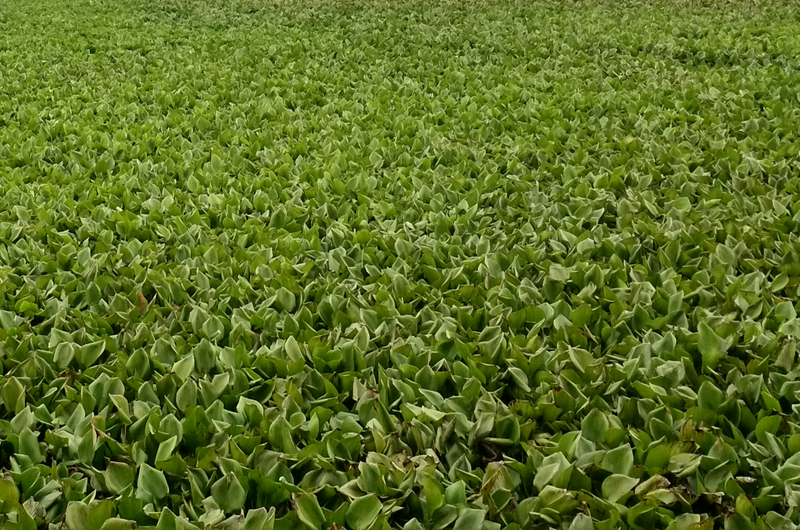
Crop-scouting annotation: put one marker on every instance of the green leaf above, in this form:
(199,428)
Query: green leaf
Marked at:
(594,426)
(184,368)
(455,493)
(138,363)
(582,315)
(738,522)
(308,511)
(581,522)
(64,354)
(205,356)
(433,494)
(151,485)
(784,311)
(24,521)
(77,516)
(363,511)
(726,255)
(88,354)
(86,448)
(116,523)
(259,519)
(413,524)
(13,394)
(617,486)
(558,273)
(745,508)
(767,425)
(286,299)
(710,397)
(213,328)
(619,460)
(469,518)
(29,446)
(118,477)
(186,396)
(99,513)
(166,449)
(711,346)
(229,493)
(780,282)
(9,495)
(280,436)
(786,356)
(9,320)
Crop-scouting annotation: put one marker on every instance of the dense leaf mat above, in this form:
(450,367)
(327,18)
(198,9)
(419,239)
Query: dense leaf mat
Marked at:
(383,265)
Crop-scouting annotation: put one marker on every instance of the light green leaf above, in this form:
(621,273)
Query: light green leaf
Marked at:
(205,356)
(259,519)
(711,346)
(29,445)
(710,397)
(363,511)
(77,516)
(9,495)
(13,394)
(616,486)
(594,426)
(115,523)
(619,460)
(469,518)
(229,493)
(88,354)
(308,511)
(118,477)
(186,395)
(152,485)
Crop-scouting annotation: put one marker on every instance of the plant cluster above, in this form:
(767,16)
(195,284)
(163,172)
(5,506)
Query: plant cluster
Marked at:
(376,265)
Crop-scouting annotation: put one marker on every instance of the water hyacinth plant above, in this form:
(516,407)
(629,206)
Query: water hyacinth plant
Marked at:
(378,265)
